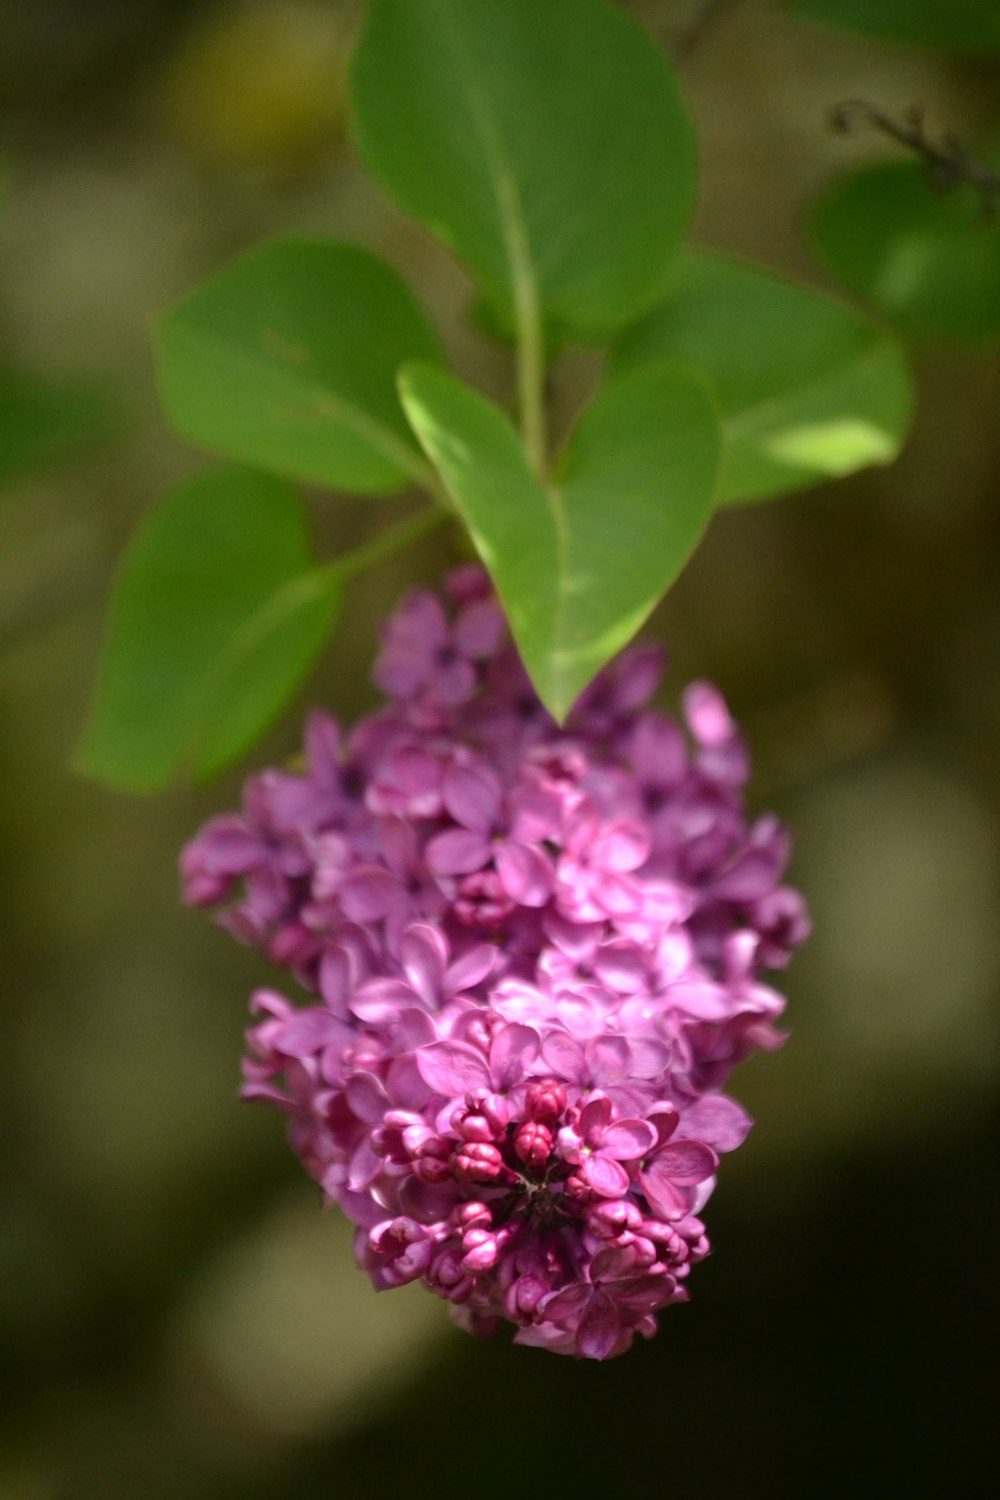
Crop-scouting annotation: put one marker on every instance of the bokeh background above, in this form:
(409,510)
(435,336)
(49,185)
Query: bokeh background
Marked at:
(178,1316)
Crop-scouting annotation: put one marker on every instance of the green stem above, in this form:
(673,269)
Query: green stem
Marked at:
(527,321)
(393,539)
(530,357)
(531,399)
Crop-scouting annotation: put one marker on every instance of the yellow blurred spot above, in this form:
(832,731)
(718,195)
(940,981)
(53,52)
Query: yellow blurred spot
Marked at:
(259,81)
(289,1334)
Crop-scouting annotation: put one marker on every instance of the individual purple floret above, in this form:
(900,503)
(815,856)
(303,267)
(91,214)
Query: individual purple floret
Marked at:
(534,956)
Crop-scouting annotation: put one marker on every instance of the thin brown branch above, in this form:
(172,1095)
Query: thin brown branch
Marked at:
(947,162)
(703,20)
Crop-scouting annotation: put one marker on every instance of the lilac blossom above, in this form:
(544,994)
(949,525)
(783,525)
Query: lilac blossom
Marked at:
(532,957)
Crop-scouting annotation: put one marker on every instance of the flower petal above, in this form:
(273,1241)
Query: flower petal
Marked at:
(367,1098)
(453,1068)
(609,1058)
(471,969)
(514,1048)
(423,953)
(604,1175)
(665,1199)
(525,873)
(599,1328)
(472,795)
(627,1140)
(719,1121)
(687,1161)
(564,1057)
(306,1031)
(457,851)
(624,847)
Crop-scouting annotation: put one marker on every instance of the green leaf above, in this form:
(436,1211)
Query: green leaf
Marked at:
(545,144)
(929,261)
(955,26)
(808,389)
(287,360)
(218,613)
(579,562)
(41,422)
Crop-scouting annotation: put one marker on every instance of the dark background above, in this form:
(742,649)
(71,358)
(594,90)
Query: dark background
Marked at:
(181,1318)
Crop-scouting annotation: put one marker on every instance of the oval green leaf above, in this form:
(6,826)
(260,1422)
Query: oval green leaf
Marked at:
(808,389)
(545,143)
(579,562)
(956,26)
(929,261)
(287,360)
(217,614)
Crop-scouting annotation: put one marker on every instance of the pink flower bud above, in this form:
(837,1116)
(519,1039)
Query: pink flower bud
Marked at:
(614,1218)
(545,1100)
(416,1137)
(492,1107)
(431,1169)
(480,1032)
(533,1143)
(577,1189)
(644,1250)
(447,1274)
(472,1127)
(478,1162)
(481,1251)
(472,1215)
(524,1296)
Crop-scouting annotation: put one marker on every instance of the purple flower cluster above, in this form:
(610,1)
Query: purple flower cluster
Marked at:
(534,954)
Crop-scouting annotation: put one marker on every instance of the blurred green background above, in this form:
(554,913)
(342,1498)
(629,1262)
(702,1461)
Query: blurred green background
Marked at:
(178,1317)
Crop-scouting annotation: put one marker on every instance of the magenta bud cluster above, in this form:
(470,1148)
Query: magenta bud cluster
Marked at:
(532,956)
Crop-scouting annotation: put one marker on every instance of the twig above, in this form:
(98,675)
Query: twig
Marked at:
(947,162)
(704,18)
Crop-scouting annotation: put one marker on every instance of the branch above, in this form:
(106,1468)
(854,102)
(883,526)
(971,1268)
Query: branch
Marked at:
(703,20)
(947,162)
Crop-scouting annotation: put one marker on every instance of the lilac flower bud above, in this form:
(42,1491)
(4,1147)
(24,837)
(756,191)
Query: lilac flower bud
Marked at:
(645,1250)
(448,1276)
(492,1107)
(480,1031)
(420,1140)
(431,1170)
(406,1249)
(483,1117)
(431,1159)
(472,1127)
(545,1101)
(472,1215)
(533,1143)
(576,1187)
(481,1251)
(481,901)
(615,1217)
(477,1162)
(524,1295)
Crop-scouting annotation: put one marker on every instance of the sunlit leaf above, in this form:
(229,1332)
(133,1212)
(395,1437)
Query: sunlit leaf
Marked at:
(808,389)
